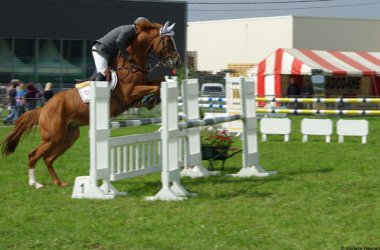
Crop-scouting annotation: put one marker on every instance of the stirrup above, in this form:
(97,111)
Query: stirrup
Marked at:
(100,77)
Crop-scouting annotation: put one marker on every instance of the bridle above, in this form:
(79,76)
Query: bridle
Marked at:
(166,61)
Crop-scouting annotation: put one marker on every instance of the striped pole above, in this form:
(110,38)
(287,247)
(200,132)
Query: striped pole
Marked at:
(209,99)
(209,121)
(320,100)
(141,122)
(319,111)
(210,105)
(135,123)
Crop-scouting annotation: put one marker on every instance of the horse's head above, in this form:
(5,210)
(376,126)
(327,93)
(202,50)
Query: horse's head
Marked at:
(164,45)
(156,38)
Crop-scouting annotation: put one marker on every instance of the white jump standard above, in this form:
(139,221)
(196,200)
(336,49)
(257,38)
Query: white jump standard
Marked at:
(99,134)
(193,163)
(170,174)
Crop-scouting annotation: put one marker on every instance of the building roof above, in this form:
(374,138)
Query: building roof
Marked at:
(323,62)
(252,19)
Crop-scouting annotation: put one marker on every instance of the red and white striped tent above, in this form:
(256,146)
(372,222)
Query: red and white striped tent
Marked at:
(267,74)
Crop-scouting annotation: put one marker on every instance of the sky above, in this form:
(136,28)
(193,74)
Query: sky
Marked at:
(204,10)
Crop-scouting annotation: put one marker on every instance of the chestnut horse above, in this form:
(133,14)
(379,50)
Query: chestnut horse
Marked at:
(60,118)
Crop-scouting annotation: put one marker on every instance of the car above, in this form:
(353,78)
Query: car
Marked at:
(213,89)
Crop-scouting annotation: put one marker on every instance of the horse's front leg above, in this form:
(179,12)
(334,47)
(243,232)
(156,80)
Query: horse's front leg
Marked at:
(146,95)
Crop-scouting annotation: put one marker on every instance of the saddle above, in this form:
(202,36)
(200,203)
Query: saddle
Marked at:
(111,77)
(91,78)
(81,83)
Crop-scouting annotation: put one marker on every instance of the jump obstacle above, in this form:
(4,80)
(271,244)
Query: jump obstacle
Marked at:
(176,144)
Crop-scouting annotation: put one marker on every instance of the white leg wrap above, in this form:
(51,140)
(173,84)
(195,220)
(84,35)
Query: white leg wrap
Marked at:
(32,179)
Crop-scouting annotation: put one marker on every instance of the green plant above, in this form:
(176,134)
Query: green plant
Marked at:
(215,137)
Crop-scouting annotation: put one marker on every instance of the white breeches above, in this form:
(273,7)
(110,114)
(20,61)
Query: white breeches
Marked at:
(101,62)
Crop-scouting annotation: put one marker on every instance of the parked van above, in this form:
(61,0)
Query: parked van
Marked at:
(213,89)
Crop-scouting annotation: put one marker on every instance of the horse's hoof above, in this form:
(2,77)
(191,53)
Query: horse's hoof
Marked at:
(36,185)
(64,184)
(149,100)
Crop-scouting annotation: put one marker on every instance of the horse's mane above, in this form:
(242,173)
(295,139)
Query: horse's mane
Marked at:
(145,25)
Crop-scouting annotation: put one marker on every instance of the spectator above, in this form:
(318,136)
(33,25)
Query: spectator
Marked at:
(12,116)
(10,86)
(31,96)
(307,91)
(20,99)
(292,91)
(48,92)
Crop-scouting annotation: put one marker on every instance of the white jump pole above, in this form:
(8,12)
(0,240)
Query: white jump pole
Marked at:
(251,165)
(190,99)
(171,190)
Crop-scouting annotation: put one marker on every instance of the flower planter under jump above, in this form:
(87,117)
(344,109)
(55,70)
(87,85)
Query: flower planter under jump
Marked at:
(212,154)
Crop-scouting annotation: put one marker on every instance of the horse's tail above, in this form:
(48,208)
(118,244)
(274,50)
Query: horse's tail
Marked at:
(23,126)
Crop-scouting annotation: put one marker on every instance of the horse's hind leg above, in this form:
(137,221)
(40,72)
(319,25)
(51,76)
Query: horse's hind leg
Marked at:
(59,148)
(34,156)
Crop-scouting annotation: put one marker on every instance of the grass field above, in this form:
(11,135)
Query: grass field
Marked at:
(325,196)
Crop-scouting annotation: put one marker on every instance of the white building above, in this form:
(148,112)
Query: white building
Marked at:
(222,42)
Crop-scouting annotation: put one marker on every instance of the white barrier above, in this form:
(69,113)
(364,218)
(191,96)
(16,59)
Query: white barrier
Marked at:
(352,128)
(322,127)
(275,126)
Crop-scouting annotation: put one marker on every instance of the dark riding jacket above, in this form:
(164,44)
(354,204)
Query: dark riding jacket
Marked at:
(116,40)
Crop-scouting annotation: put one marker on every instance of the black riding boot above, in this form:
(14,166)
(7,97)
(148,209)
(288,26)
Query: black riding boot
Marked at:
(100,77)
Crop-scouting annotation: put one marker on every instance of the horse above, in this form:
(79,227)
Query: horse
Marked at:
(60,118)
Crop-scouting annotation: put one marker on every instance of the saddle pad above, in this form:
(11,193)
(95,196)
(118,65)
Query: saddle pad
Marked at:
(84,88)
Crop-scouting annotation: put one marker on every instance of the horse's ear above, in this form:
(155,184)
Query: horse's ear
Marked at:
(171,27)
(167,30)
(165,25)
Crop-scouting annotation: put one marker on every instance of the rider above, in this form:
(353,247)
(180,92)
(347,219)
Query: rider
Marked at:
(115,41)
